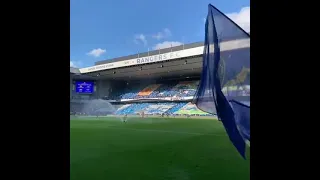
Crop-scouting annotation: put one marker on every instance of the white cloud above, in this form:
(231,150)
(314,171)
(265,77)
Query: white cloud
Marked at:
(140,38)
(75,64)
(96,52)
(167,31)
(242,18)
(163,34)
(166,44)
(72,64)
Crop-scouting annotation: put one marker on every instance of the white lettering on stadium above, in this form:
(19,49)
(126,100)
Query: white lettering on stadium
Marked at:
(143,60)
(160,57)
(100,67)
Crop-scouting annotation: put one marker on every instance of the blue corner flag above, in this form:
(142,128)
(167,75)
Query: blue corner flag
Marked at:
(224,88)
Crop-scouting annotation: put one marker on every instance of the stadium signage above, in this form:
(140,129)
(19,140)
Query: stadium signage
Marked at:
(225,46)
(142,60)
(159,57)
(101,67)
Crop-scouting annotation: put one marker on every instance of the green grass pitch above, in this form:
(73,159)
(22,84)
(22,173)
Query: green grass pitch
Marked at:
(153,149)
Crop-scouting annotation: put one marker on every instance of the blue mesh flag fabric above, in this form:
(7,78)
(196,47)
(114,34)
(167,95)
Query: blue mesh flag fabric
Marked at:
(242,118)
(224,88)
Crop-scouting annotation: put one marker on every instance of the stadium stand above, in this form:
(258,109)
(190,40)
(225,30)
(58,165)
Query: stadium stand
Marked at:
(132,109)
(174,90)
(170,89)
(148,108)
(180,108)
(157,82)
(176,108)
(190,109)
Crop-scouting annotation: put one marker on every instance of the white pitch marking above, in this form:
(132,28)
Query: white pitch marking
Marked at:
(162,131)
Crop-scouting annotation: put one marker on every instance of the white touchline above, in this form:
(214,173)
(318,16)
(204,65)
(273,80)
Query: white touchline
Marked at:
(162,131)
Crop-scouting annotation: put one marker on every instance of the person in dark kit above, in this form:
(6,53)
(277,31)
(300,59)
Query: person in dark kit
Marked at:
(125,118)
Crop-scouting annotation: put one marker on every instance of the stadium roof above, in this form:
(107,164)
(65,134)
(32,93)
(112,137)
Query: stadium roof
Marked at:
(177,61)
(74,70)
(187,67)
(150,53)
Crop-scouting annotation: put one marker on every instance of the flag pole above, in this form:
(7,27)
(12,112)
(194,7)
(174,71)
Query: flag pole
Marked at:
(182,43)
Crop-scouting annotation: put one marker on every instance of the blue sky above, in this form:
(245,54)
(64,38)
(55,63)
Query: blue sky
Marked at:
(105,29)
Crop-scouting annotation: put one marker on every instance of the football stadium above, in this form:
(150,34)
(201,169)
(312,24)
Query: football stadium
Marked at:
(133,118)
